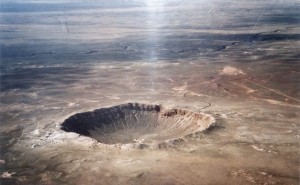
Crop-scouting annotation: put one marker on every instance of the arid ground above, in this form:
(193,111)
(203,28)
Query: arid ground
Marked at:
(236,62)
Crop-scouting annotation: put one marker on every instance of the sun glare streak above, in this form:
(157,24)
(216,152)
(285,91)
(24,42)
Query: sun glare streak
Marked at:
(154,22)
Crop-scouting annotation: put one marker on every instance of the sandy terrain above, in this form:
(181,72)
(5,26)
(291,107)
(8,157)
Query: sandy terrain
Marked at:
(237,61)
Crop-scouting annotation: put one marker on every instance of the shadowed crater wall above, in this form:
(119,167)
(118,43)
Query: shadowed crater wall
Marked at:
(133,122)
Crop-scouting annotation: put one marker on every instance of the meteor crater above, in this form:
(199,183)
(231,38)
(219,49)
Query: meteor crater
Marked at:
(134,122)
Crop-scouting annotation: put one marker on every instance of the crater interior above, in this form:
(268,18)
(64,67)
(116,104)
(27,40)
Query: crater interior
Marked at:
(134,122)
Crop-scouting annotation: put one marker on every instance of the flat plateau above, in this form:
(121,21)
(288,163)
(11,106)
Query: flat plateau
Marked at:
(237,62)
